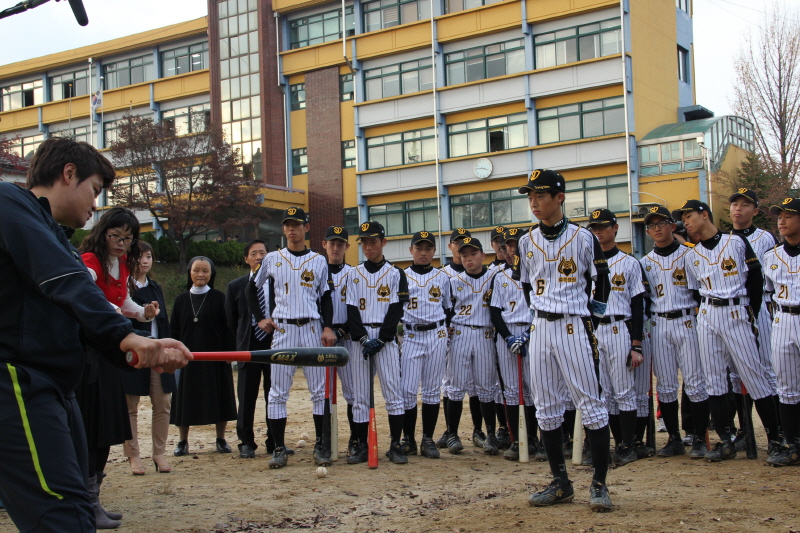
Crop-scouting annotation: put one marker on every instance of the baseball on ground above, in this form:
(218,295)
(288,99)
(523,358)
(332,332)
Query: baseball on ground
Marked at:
(301,443)
(322,471)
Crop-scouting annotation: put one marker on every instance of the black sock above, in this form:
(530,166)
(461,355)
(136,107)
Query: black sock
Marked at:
(410,422)
(700,414)
(502,420)
(554,446)
(445,401)
(361,431)
(489,412)
(569,423)
(599,442)
(669,414)
(790,414)
(352,424)
(278,426)
(641,427)
(318,420)
(627,422)
(778,411)
(430,414)
(738,402)
(396,427)
(531,421)
(718,405)
(512,412)
(768,415)
(453,415)
(475,412)
(616,428)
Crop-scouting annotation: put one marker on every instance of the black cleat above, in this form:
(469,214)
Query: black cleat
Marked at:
(512,454)
(279,458)
(352,446)
(599,500)
(503,438)
(358,454)
(643,451)
(428,448)
(785,456)
(557,491)
(442,442)
(454,445)
(739,440)
(722,450)
(322,456)
(491,446)
(673,448)
(409,446)
(395,454)
(478,438)
(699,449)
(626,455)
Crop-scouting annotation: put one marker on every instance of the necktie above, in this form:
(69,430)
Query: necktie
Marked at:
(262,303)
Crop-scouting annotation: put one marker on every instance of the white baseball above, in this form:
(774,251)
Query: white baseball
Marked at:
(301,443)
(304,436)
(322,471)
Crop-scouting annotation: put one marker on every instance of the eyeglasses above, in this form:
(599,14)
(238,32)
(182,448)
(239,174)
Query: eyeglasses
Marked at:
(116,239)
(661,224)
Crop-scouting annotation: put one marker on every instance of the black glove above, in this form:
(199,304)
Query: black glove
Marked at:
(372,347)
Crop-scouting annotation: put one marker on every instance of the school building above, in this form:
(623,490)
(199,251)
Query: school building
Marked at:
(421,114)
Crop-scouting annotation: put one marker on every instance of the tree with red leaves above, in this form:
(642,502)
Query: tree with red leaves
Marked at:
(12,165)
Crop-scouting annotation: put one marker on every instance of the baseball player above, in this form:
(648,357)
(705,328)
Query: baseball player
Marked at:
(472,352)
(673,297)
(511,319)
(496,240)
(499,263)
(424,343)
(731,285)
(336,245)
(781,266)
(301,314)
(619,336)
(478,436)
(558,261)
(743,209)
(376,293)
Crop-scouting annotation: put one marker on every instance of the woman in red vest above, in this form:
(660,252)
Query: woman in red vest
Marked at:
(110,251)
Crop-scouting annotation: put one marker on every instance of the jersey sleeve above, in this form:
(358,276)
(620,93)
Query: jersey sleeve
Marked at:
(402,286)
(638,283)
(523,268)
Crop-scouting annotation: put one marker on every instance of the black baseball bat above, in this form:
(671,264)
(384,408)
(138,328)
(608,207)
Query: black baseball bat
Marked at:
(337,356)
(747,421)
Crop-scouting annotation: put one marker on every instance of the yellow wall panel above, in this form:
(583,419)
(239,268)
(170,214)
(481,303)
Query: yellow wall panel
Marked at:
(300,182)
(135,95)
(282,198)
(298,123)
(401,196)
(298,78)
(312,57)
(349,198)
(550,9)
(62,110)
(507,109)
(291,5)
(581,96)
(399,127)
(180,86)
(493,18)
(19,119)
(394,40)
(346,120)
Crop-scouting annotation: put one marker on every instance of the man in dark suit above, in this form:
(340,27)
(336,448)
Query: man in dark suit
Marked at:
(248,337)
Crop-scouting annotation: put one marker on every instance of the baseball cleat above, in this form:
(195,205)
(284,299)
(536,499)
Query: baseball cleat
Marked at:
(454,445)
(429,448)
(442,442)
(491,446)
(352,447)
(512,454)
(359,454)
(599,500)
(785,456)
(558,491)
(722,450)
(673,448)
(739,440)
(408,446)
(503,438)
(698,449)
(322,457)
(395,454)
(643,451)
(478,438)
(279,458)
(626,455)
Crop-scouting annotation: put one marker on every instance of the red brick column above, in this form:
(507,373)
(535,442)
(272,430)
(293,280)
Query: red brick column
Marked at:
(272,131)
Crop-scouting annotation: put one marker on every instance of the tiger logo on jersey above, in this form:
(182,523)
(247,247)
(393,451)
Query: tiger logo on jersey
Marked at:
(618,280)
(679,275)
(729,265)
(343,292)
(383,293)
(435,293)
(487,297)
(307,276)
(567,267)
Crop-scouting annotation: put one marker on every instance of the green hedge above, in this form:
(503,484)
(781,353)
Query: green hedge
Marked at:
(223,254)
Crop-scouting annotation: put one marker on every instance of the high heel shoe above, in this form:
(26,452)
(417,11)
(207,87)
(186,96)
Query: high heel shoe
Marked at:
(164,468)
(136,469)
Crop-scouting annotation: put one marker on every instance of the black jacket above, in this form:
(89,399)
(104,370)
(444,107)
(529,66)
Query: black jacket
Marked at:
(50,302)
(238,313)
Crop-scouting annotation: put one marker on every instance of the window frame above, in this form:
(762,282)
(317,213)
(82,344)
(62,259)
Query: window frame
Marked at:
(488,127)
(480,3)
(349,15)
(147,65)
(63,79)
(383,5)
(346,80)
(190,53)
(684,65)
(83,135)
(469,200)
(349,145)
(296,91)
(33,90)
(193,111)
(576,36)
(405,210)
(401,141)
(485,53)
(580,113)
(399,72)
(621,183)
(667,165)
(298,167)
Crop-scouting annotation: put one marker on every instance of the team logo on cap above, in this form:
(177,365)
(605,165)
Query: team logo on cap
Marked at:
(467,240)
(513,231)
(461,231)
(679,275)
(365,226)
(684,204)
(618,280)
(595,214)
(787,201)
(729,265)
(654,209)
(424,234)
(567,267)
(291,211)
(307,276)
(743,190)
(337,230)
(499,229)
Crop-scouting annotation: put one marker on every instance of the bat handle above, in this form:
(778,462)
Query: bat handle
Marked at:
(132,358)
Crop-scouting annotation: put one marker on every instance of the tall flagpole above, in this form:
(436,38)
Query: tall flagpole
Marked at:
(91,110)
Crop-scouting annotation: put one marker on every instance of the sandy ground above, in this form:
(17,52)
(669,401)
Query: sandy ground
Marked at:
(470,492)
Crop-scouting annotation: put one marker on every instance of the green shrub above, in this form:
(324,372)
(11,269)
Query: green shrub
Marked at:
(78,236)
(166,251)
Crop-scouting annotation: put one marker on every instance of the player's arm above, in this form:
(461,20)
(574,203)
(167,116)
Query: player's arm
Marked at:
(755,278)
(326,303)
(637,319)
(496,312)
(396,309)
(521,274)
(602,286)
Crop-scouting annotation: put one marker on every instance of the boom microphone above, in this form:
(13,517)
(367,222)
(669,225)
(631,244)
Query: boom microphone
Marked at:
(79,12)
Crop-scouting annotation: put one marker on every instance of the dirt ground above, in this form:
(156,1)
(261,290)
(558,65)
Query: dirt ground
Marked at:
(470,492)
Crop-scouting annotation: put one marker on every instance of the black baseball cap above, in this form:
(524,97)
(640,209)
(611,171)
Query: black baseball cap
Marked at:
(295,213)
(513,234)
(470,242)
(544,180)
(690,205)
(497,233)
(750,194)
(371,229)
(336,232)
(658,211)
(790,205)
(459,233)
(602,217)
(423,236)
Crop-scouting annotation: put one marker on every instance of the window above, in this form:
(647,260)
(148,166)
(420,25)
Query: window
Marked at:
(583,196)
(297,95)
(401,148)
(78,134)
(70,85)
(346,87)
(128,72)
(185,59)
(406,218)
(381,14)
(110,132)
(320,28)
(187,120)
(22,95)
(394,80)
(299,161)
(683,5)
(454,6)
(490,208)
(351,221)
(26,146)
(485,62)
(669,158)
(488,135)
(683,65)
(348,154)
(578,43)
(581,121)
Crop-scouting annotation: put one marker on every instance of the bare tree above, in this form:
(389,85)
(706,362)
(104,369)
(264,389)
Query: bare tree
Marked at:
(767,89)
(193,183)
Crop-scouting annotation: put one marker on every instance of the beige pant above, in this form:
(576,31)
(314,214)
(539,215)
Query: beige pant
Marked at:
(160,424)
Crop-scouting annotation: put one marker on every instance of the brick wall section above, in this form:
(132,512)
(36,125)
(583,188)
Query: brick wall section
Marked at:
(324,152)
(272,130)
(213,58)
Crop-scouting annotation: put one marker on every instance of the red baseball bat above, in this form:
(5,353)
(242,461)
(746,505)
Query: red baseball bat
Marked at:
(372,436)
(337,356)
(334,420)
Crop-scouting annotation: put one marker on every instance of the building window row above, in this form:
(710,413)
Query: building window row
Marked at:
(346,88)
(128,72)
(484,62)
(454,6)
(581,121)
(185,120)
(405,218)
(380,14)
(70,85)
(402,78)
(348,154)
(185,59)
(488,135)
(82,133)
(401,148)
(584,196)
(297,96)
(21,95)
(489,208)
(26,146)
(578,43)
(669,158)
(299,161)
(320,28)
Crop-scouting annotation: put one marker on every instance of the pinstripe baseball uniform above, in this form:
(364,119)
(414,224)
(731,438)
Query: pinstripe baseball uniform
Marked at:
(781,269)
(452,269)
(725,332)
(562,348)
(424,334)
(297,281)
(339,299)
